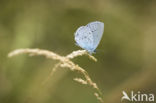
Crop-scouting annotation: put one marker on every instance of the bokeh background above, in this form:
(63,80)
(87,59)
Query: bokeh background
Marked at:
(126,54)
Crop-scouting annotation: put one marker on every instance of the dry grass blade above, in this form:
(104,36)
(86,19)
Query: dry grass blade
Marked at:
(98,97)
(33,52)
(64,62)
(80,53)
(80,80)
(52,72)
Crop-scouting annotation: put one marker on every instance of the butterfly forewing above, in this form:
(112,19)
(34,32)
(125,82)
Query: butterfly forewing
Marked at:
(97,29)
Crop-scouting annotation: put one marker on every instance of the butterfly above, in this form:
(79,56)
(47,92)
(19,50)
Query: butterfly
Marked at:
(88,37)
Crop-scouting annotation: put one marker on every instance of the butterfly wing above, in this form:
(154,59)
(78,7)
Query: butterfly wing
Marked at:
(97,29)
(84,38)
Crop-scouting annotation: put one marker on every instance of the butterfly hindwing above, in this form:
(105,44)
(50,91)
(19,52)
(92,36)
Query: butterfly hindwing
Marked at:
(84,38)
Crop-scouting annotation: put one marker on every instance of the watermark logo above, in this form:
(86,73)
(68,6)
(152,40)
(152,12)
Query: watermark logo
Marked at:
(137,96)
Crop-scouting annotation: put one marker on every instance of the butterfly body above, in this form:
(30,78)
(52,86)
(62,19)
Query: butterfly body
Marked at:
(89,36)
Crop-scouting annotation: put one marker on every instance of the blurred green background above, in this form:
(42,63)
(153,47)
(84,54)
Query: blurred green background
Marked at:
(126,57)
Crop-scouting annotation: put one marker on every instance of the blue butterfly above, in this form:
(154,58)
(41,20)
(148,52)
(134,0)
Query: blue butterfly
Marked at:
(89,36)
